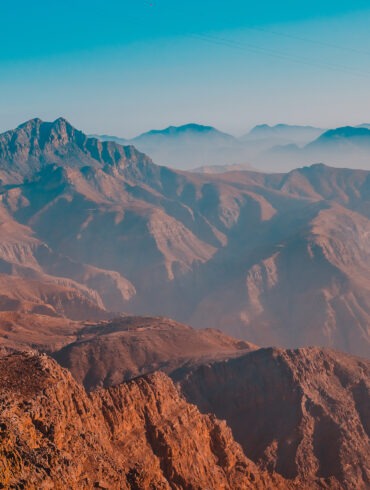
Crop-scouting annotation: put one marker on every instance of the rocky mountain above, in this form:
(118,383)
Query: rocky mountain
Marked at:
(35,144)
(301,416)
(139,435)
(275,259)
(301,413)
(110,353)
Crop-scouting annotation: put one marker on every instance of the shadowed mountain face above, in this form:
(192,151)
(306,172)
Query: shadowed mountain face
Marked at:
(139,435)
(304,413)
(90,227)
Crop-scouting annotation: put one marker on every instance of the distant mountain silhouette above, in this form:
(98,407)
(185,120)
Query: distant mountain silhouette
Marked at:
(278,148)
(194,145)
(343,136)
(190,146)
(283,133)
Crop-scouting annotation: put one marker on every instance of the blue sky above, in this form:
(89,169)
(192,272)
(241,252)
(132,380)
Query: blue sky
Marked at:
(123,67)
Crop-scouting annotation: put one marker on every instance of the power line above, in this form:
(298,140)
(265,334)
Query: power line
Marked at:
(308,40)
(268,51)
(277,54)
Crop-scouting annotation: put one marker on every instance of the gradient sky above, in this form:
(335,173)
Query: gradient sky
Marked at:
(123,67)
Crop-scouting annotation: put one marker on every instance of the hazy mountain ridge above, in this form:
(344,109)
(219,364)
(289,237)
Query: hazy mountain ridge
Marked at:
(246,252)
(268,148)
(194,145)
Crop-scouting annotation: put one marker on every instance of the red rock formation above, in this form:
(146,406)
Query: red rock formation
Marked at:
(302,413)
(140,435)
(111,352)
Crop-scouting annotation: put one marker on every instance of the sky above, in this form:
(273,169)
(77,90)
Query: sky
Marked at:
(125,67)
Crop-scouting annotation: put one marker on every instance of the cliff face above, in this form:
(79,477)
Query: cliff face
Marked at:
(303,413)
(138,435)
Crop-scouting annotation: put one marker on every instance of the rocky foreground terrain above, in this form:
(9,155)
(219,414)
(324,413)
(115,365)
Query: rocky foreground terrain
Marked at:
(302,413)
(138,435)
(301,417)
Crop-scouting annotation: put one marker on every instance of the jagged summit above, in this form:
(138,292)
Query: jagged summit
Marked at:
(38,127)
(139,435)
(34,144)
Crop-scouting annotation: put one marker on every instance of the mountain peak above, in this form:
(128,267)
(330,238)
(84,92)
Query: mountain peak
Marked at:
(36,143)
(30,124)
(178,130)
(346,132)
(61,122)
(39,127)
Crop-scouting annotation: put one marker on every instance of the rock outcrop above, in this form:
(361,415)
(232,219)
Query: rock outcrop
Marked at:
(302,413)
(139,435)
(111,352)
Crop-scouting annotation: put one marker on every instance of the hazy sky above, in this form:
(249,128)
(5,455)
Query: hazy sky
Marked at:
(123,67)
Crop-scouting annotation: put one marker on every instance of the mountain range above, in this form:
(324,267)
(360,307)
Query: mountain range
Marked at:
(91,229)
(268,148)
(227,415)
(99,388)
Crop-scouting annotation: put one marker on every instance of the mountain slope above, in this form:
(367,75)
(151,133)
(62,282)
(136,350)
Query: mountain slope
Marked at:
(138,435)
(346,147)
(301,413)
(112,352)
(246,252)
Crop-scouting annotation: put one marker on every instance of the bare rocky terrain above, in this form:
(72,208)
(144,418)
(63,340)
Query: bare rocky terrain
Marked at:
(92,234)
(90,227)
(301,417)
(109,353)
(302,413)
(139,435)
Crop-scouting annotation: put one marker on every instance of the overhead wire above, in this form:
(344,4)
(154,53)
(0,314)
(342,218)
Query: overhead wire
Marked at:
(240,45)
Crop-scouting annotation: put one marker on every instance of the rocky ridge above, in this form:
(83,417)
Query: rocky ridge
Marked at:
(302,413)
(140,435)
